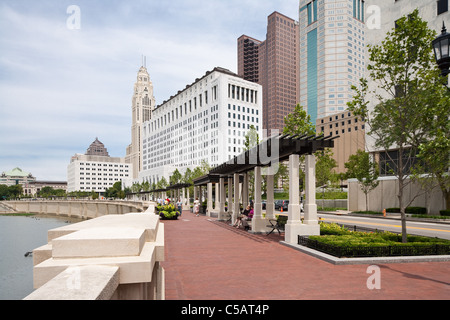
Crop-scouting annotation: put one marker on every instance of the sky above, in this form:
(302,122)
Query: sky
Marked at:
(67,76)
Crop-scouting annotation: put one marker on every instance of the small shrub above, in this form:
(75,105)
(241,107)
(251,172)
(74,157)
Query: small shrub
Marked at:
(445,212)
(416,210)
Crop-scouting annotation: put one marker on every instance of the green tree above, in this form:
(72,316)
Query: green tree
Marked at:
(251,138)
(325,173)
(299,122)
(407,90)
(4,192)
(176,177)
(15,191)
(361,167)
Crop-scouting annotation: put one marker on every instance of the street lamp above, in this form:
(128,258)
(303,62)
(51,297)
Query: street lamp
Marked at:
(441,46)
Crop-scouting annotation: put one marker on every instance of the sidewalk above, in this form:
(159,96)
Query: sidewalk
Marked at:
(210,260)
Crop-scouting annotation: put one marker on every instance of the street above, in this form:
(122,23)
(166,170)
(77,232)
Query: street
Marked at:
(429,229)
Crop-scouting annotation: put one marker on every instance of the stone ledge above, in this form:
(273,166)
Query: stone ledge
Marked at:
(99,242)
(370,260)
(133,269)
(80,283)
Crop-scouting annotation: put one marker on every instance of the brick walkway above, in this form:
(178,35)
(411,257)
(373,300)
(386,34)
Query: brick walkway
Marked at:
(210,260)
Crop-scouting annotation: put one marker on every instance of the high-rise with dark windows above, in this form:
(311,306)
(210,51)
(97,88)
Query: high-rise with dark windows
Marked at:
(273,63)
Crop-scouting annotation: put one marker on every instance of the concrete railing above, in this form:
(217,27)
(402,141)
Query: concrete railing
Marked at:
(113,257)
(79,208)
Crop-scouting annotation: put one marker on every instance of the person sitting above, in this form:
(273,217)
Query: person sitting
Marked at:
(243,217)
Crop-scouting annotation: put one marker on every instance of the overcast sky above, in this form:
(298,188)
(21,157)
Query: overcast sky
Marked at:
(60,87)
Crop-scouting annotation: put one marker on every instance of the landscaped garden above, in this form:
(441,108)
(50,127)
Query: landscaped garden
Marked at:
(341,242)
(168,212)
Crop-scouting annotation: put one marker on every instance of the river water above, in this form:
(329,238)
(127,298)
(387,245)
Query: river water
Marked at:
(19,235)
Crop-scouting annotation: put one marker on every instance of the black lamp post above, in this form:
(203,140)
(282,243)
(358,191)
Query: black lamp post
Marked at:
(441,46)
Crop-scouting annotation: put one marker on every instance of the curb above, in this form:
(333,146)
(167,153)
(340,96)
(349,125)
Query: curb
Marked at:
(374,260)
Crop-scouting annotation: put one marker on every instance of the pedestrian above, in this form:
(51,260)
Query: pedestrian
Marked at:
(196,206)
(179,205)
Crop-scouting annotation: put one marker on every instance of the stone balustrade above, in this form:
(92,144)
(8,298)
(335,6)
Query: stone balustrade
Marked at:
(79,208)
(112,257)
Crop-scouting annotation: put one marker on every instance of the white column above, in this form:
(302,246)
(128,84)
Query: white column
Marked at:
(310,203)
(259,224)
(230,196)
(209,207)
(245,201)
(294,223)
(222,215)
(270,206)
(217,196)
(236,209)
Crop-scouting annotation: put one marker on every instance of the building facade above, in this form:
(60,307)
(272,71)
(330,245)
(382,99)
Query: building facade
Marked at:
(143,102)
(16,176)
(383,17)
(274,64)
(33,188)
(351,132)
(332,47)
(96,170)
(205,122)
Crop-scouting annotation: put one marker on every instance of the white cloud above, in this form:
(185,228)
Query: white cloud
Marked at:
(61,88)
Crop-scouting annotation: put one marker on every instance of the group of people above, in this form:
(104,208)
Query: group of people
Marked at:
(243,219)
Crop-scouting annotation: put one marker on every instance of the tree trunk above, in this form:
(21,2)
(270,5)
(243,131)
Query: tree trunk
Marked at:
(401,181)
(447,198)
(367,202)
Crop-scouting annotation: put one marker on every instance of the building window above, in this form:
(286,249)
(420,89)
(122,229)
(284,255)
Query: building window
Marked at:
(442,6)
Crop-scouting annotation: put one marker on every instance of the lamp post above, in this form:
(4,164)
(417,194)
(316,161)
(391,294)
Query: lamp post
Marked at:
(441,46)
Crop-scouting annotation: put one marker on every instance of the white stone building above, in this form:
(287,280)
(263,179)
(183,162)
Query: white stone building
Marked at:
(206,121)
(96,170)
(332,40)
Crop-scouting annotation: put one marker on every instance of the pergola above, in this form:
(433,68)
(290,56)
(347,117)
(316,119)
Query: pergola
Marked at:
(178,191)
(264,159)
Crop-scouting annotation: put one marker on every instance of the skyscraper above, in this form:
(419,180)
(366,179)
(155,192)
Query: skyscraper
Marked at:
(142,105)
(273,63)
(332,44)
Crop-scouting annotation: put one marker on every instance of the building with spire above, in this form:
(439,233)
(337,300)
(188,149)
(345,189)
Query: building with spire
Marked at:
(142,105)
(96,170)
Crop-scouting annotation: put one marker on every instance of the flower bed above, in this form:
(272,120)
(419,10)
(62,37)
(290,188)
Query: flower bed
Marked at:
(340,242)
(168,212)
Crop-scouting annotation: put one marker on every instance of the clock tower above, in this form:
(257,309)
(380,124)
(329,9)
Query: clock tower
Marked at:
(142,105)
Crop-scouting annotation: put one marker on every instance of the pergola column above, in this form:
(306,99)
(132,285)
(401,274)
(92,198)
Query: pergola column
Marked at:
(236,209)
(294,226)
(209,207)
(294,223)
(245,193)
(222,193)
(230,196)
(310,203)
(270,205)
(259,224)
(217,197)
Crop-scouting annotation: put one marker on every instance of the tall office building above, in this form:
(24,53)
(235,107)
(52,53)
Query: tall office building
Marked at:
(207,121)
(273,63)
(332,44)
(143,102)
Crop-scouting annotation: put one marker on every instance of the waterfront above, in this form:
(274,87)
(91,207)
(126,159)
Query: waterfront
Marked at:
(18,235)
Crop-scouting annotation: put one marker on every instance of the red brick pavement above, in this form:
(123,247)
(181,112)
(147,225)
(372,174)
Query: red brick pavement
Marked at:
(210,260)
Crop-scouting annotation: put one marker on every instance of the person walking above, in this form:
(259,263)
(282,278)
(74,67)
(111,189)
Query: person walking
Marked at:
(196,206)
